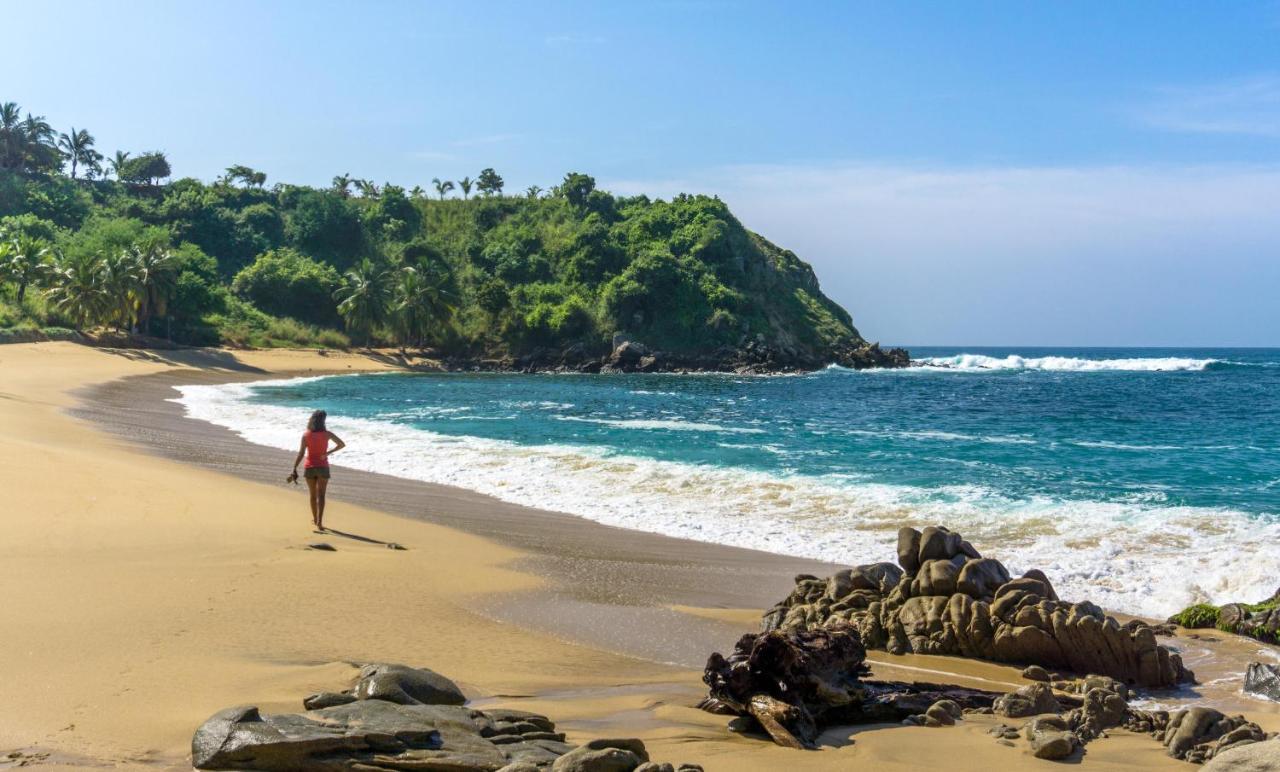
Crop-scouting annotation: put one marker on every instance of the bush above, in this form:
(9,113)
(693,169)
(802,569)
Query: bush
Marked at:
(284,282)
(1197,616)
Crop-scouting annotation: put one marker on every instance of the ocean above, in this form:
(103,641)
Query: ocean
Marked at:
(1140,479)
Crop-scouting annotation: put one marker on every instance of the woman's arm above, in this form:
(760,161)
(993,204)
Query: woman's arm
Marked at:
(302,449)
(340,444)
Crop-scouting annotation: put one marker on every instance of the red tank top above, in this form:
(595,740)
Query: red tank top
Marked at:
(317,448)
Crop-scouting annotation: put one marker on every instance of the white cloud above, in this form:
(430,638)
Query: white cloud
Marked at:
(1245,106)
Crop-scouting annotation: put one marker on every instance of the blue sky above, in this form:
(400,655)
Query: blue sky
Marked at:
(1081,173)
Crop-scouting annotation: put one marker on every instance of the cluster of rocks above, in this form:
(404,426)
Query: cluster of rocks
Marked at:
(943,597)
(750,355)
(1061,723)
(789,685)
(402,718)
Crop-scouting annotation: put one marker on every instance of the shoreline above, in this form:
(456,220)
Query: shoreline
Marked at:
(159,590)
(692,597)
(595,570)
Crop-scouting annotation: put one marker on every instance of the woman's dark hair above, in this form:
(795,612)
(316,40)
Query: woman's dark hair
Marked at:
(316,422)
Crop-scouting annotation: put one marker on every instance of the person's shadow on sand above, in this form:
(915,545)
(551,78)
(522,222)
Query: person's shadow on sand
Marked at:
(366,539)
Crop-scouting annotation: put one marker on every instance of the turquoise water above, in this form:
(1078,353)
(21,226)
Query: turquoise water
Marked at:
(1146,478)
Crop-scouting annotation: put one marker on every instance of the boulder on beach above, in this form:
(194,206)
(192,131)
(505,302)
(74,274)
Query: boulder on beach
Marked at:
(950,600)
(1254,757)
(397,718)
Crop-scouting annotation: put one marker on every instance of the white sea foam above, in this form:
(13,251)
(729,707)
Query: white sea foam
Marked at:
(972,362)
(1135,556)
(656,424)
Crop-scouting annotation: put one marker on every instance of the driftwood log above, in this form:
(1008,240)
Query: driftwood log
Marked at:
(793,683)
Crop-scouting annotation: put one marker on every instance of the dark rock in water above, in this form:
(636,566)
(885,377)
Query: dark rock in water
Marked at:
(1263,680)
(793,683)
(1254,757)
(406,686)
(949,601)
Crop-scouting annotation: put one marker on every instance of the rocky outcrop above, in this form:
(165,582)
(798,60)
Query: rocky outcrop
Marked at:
(791,684)
(397,718)
(750,355)
(1196,734)
(1263,680)
(1260,621)
(947,599)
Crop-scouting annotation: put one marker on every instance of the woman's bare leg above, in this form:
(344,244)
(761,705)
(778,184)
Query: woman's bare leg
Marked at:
(315,499)
(321,486)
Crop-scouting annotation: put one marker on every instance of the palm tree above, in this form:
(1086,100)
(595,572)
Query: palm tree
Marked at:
(417,192)
(156,271)
(419,299)
(465,183)
(367,188)
(118,161)
(76,288)
(121,284)
(27,258)
(78,146)
(532,191)
(12,141)
(342,185)
(40,149)
(442,187)
(363,299)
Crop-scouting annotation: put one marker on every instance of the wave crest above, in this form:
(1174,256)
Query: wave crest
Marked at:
(982,362)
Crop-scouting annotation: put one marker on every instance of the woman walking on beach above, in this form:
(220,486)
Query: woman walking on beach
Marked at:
(315,446)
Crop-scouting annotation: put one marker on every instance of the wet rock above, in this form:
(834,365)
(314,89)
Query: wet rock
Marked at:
(406,686)
(792,683)
(1263,680)
(653,766)
(981,578)
(1031,700)
(1036,673)
(1003,732)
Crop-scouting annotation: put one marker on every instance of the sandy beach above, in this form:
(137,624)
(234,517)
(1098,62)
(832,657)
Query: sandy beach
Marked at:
(155,570)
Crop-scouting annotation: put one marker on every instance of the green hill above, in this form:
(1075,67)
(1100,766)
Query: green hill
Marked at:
(540,279)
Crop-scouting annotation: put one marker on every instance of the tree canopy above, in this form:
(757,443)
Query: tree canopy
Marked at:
(490,275)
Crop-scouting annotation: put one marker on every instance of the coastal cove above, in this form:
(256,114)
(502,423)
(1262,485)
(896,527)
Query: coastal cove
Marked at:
(214,551)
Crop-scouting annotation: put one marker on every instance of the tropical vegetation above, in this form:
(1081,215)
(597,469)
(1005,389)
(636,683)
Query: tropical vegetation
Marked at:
(89,242)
